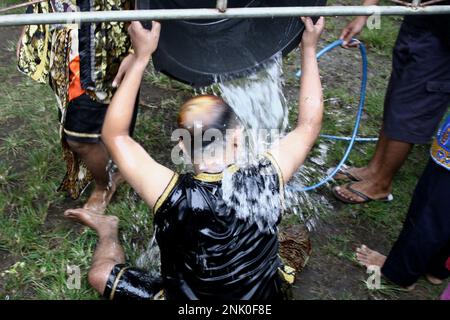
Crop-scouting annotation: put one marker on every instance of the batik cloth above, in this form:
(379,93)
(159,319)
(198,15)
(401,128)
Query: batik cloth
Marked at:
(440,150)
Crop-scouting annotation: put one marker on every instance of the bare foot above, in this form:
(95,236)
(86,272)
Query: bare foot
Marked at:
(433,280)
(371,190)
(104,225)
(368,257)
(100,197)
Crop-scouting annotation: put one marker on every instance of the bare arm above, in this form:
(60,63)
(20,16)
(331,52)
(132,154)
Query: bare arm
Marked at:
(354,27)
(147,177)
(291,151)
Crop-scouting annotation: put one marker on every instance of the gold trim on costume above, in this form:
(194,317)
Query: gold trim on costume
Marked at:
(82,135)
(116,282)
(215,177)
(274,162)
(287,274)
(166,192)
(440,155)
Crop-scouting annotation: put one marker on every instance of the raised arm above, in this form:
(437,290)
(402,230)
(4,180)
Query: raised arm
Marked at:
(144,174)
(291,151)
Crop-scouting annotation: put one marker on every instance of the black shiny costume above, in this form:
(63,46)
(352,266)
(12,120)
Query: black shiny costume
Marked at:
(207,252)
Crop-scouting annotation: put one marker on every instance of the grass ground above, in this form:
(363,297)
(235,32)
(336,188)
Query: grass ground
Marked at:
(37,245)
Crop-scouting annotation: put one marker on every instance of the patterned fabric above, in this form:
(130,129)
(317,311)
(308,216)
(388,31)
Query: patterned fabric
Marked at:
(440,150)
(34,48)
(45,57)
(110,43)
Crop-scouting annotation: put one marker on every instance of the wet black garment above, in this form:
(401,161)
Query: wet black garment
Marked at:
(85,117)
(207,252)
(126,283)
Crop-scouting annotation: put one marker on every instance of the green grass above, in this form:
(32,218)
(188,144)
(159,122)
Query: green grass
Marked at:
(40,245)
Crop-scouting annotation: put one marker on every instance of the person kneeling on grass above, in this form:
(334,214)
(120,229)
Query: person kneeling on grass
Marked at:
(208,249)
(424,242)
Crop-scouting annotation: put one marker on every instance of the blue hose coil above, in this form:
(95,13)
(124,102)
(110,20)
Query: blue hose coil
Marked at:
(362,98)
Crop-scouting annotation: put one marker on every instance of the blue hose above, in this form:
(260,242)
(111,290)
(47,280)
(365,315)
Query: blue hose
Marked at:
(362,97)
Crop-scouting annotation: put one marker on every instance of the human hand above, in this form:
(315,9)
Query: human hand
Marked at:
(144,41)
(352,29)
(312,32)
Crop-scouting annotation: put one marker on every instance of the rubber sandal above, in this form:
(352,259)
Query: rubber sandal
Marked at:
(365,197)
(345,175)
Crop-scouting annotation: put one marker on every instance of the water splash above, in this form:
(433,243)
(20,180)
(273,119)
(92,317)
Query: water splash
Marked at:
(150,259)
(251,193)
(259,102)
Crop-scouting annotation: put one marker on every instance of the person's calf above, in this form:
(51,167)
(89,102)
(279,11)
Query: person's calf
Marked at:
(96,159)
(78,147)
(101,197)
(98,275)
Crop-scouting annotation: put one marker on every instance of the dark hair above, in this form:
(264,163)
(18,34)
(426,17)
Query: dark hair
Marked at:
(211,111)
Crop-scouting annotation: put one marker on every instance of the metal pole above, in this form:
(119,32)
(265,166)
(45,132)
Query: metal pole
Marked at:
(21,5)
(222,5)
(188,14)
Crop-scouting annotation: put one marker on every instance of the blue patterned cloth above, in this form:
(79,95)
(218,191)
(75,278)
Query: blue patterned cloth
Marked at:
(440,150)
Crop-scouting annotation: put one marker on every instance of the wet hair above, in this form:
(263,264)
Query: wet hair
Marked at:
(209,112)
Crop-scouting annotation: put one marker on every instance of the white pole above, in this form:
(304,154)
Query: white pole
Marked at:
(188,14)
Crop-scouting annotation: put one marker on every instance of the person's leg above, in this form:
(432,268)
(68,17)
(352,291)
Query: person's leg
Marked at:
(416,99)
(426,231)
(108,253)
(437,270)
(368,257)
(368,171)
(400,59)
(425,235)
(109,274)
(82,130)
(387,161)
(96,158)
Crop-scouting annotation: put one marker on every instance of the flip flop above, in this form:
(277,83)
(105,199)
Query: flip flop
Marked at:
(365,197)
(343,174)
